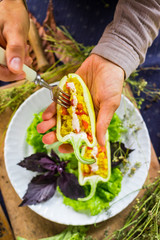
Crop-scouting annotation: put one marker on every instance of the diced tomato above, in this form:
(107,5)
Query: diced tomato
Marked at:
(89,148)
(85,124)
(85,174)
(64,111)
(72,102)
(89,136)
(102,149)
(80,106)
(67,85)
(81,112)
(76,131)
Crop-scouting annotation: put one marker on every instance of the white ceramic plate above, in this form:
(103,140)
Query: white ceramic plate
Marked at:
(16,149)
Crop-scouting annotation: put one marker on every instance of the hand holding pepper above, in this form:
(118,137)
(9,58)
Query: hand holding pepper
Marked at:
(14,26)
(105,81)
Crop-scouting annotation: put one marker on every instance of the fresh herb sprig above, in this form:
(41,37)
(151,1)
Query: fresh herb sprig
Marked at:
(140,86)
(14,96)
(143,221)
(51,174)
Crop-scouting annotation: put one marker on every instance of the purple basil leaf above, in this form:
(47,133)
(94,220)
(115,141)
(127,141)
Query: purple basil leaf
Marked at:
(40,189)
(32,162)
(61,166)
(48,164)
(69,186)
(60,169)
(55,156)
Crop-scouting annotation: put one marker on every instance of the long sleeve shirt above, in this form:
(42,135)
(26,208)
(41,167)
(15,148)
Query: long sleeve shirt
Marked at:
(125,41)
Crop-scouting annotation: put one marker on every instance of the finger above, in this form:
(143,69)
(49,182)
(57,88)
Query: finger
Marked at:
(15,50)
(49,138)
(49,112)
(46,125)
(28,60)
(104,117)
(8,76)
(65,148)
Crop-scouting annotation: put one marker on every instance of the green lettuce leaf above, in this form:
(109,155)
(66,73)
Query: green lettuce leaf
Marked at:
(105,192)
(33,137)
(116,129)
(20,238)
(70,233)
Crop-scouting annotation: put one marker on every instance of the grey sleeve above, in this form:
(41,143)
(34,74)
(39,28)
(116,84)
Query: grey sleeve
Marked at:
(126,39)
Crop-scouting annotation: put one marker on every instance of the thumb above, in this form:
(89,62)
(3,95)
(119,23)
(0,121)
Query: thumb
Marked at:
(103,120)
(15,52)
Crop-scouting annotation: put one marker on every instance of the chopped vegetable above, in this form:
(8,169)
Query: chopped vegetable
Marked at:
(85,124)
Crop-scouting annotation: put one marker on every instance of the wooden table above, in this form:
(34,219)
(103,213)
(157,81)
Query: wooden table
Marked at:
(28,224)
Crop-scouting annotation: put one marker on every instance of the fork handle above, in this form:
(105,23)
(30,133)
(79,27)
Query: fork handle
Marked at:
(31,75)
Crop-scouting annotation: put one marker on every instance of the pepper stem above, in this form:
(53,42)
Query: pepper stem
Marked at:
(92,191)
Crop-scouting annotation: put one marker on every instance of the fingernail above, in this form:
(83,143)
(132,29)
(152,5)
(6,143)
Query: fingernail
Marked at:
(16,64)
(29,61)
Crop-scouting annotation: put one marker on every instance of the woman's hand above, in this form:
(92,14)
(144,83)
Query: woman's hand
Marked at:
(14,27)
(105,81)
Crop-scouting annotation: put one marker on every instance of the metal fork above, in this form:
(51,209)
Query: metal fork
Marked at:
(57,95)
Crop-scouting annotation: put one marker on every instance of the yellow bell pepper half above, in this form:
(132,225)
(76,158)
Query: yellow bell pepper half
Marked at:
(76,124)
(98,171)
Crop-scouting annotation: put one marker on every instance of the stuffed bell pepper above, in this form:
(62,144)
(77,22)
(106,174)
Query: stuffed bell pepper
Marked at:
(76,124)
(98,171)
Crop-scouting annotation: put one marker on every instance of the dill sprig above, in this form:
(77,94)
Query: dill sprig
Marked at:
(140,86)
(143,221)
(67,46)
(14,96)
(70,53)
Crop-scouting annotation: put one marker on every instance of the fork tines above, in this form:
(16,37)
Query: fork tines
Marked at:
(63,98)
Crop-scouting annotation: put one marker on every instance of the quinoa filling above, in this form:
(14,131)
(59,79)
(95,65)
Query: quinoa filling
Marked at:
(100,167)
(75,118)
